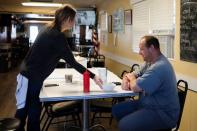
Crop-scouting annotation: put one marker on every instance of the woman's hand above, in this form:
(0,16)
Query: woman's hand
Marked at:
(98,81)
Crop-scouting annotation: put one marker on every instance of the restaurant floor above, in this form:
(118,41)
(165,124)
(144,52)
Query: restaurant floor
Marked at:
(8,108)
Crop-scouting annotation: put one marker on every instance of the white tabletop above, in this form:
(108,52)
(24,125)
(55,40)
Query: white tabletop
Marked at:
(74,90)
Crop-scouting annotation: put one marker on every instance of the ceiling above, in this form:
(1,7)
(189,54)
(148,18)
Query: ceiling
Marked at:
(14,6)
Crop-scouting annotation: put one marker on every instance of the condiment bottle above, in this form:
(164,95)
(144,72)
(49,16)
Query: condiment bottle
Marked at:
(86,81)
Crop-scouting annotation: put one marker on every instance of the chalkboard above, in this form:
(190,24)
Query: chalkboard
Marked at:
(188,31)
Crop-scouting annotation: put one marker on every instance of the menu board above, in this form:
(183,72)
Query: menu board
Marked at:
(188,31)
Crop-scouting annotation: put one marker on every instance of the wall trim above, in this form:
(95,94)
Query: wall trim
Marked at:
(120,59)
(192,81)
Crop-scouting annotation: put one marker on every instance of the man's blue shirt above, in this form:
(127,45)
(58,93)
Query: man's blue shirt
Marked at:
(158,82)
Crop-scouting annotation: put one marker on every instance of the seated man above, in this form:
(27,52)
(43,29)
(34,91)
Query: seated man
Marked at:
(158,104)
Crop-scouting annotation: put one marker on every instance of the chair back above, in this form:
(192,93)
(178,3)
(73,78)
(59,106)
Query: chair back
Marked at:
(182,93)
(124,72)
(60,109)
(182,87)
(135,67)
(98,61)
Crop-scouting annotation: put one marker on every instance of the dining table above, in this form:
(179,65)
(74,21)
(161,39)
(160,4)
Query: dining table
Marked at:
(60,90)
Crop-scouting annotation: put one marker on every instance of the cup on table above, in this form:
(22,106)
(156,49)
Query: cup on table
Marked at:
(102,73)
(68,78)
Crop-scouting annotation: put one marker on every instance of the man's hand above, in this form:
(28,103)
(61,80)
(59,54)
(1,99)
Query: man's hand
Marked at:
(98,81)
(132,82)
(125,83)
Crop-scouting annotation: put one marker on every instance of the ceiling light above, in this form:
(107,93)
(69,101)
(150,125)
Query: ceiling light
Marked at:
(44,4)
(39,16)
(36,21)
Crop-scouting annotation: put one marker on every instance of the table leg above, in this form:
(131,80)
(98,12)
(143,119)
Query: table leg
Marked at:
(86,108)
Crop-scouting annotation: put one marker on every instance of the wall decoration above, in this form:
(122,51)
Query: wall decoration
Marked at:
(110,23)
(188,31)
(118,21)
(103,20)
(128,17)
(103,36)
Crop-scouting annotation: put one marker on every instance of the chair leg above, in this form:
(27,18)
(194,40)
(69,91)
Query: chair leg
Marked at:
(110,121)
(49,124)
(94,115)
(79,119)
(97,126)
(73,116)
(43,114)
(100,114)
(45,123)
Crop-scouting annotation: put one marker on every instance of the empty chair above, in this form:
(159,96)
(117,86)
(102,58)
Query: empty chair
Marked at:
(134,67)
(97,61)
(100,106)
(124,72)
(60,109)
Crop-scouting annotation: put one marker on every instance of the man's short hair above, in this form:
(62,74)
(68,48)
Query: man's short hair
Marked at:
(151,40)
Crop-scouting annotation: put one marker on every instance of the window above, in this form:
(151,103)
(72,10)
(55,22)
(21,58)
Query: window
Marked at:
(88,33)
(33,33)
(155,17)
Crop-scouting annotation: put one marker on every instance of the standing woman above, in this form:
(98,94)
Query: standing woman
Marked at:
(49,47)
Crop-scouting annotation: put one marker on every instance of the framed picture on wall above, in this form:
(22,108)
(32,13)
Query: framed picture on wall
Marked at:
(128,17)
(118,20)
(110,23)
(103,22)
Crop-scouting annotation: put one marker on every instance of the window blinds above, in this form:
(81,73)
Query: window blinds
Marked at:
(156,17)
(140,23)
(161,14)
